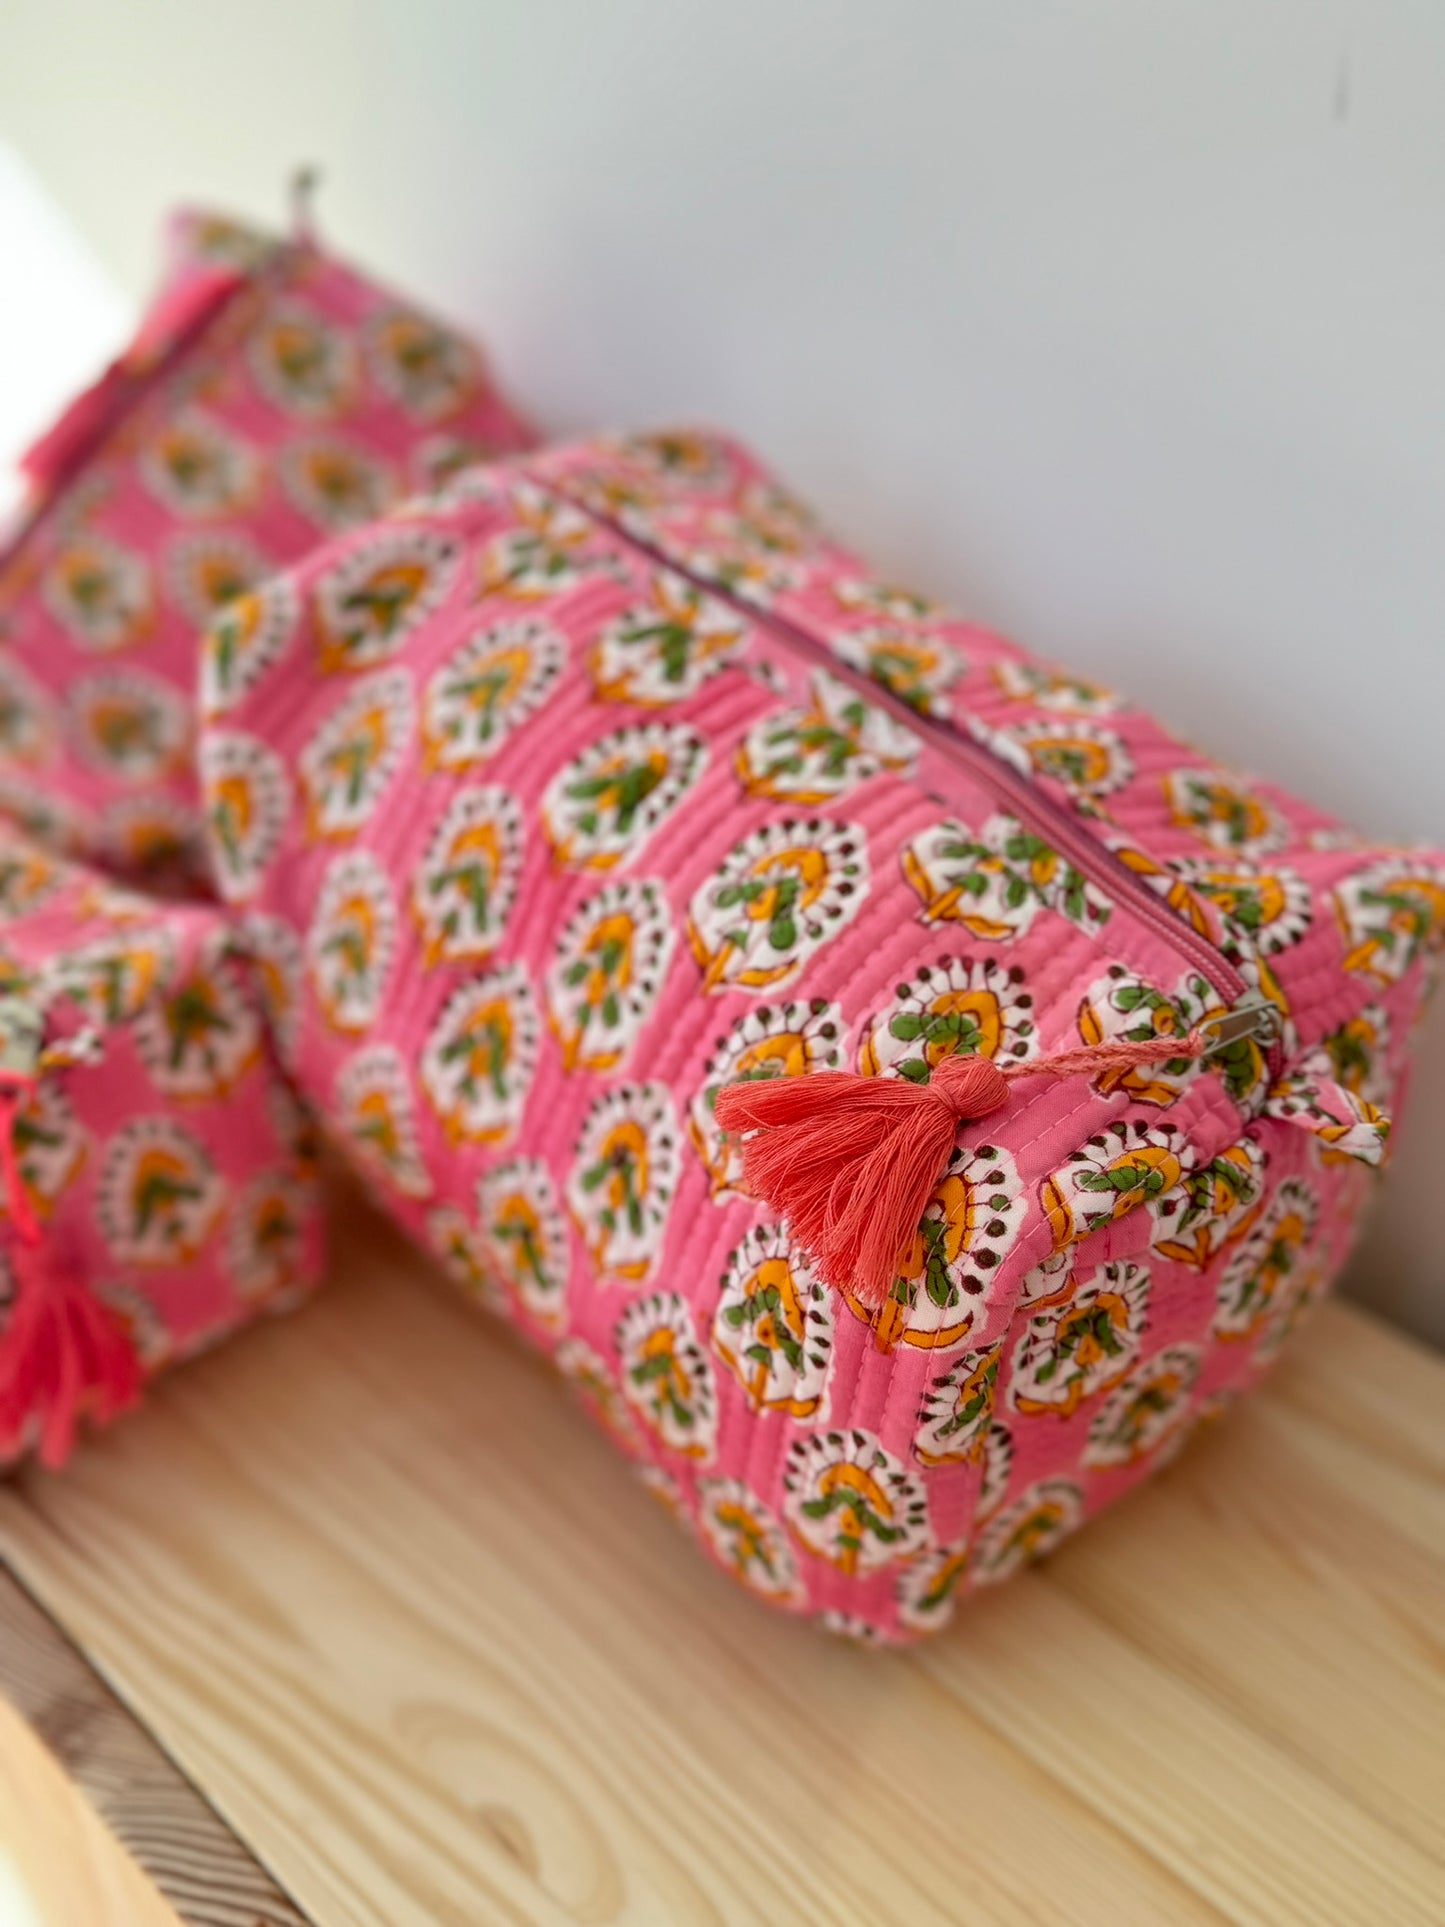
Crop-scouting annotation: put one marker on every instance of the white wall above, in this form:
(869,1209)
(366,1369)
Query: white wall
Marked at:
(1119,322)
(70,317)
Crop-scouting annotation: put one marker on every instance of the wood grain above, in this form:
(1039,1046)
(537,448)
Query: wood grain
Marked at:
(153,1810)
(437,1657)
(59,1866)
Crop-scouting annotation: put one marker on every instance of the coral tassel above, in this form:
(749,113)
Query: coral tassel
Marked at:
(851,1162)
(63,1352)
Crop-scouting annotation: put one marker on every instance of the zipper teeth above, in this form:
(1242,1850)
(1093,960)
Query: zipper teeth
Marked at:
(1091,856)
(1033,807)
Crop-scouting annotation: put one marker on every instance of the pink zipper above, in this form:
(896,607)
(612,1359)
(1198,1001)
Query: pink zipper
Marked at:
(1034,808)
(94,416)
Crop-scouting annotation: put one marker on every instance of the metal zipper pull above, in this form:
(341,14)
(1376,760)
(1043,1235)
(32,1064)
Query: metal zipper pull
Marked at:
(1254,1016)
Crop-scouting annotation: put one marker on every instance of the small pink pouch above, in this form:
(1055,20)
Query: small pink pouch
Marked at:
(157,1177)
(598,798)
(271,397)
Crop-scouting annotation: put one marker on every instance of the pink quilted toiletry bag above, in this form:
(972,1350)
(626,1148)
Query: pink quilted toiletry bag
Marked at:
(271,397)
(157,1181)
(904,1088)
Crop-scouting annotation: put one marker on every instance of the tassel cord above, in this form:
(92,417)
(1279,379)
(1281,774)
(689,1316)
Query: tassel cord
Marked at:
(852,1161)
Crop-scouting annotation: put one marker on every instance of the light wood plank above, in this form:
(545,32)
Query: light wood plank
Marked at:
(437,1657)
(59,1864)
(1316,1616)
(135,1789)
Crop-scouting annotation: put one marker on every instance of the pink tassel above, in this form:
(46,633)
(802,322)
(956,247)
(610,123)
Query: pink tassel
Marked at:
(63,1352)
(851,1162)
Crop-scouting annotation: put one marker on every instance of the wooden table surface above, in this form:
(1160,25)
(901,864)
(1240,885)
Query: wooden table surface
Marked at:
(432,1654)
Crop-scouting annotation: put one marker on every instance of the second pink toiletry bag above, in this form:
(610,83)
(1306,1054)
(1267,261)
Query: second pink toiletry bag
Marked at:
(271,397)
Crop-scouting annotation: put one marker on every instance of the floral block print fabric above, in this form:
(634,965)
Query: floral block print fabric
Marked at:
(588,784)
(160,1149)
(271,397)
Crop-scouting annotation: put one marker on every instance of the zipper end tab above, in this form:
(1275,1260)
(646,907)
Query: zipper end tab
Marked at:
(22,1032)
(301,192)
